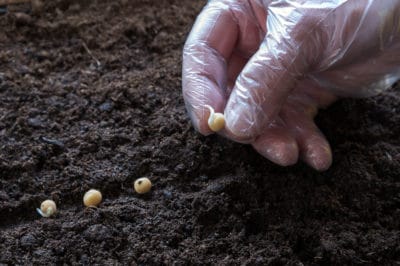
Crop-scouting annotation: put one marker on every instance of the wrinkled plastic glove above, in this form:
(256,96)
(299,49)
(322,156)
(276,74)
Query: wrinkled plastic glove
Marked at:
(270,65)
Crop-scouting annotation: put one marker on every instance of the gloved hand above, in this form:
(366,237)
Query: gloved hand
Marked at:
(269,65)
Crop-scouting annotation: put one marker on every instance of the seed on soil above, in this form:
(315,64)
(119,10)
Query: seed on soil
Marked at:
(92,198)
(142,185)
(216,121)
(47,208)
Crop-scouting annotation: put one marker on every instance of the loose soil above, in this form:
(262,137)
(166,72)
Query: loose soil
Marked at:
(90,97)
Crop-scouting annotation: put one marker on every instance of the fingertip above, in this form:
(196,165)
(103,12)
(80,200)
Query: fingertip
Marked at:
(237,130)
(278,148)
(202,129)
(319,157)
(284,154)
(314,147)
(199,118)
(240,123)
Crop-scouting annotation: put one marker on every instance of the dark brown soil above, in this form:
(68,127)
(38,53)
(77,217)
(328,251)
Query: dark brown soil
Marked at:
(90,97)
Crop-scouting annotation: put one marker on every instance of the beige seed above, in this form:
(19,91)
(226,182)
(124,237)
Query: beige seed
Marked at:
(92,198)
(47,208)
(142,185)
(216,121)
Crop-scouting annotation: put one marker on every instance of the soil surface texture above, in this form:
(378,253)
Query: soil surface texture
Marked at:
(90,97)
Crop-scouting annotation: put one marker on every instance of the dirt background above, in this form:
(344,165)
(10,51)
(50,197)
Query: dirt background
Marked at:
(90,97)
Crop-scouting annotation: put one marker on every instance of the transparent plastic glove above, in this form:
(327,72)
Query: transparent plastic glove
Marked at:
(266,64)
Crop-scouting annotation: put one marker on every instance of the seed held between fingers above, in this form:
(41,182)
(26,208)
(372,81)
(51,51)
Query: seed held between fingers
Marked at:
(47,208)
(92,198)
(216,121)
(142,185)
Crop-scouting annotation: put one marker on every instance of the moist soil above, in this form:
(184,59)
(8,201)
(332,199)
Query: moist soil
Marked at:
(91,98)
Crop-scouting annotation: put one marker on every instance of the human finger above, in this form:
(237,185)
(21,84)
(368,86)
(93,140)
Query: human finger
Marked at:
(268,77)
(205,53)
(277,145)
(313,147)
